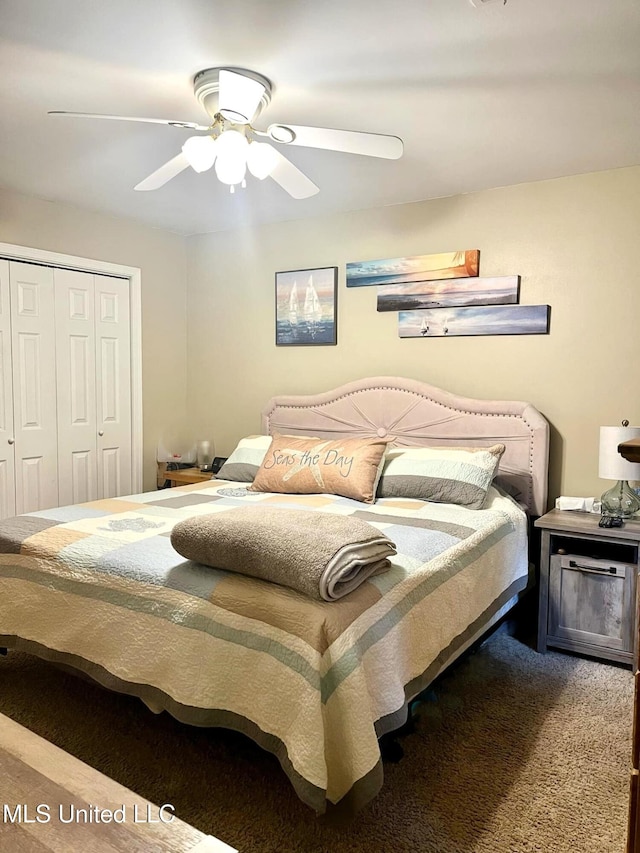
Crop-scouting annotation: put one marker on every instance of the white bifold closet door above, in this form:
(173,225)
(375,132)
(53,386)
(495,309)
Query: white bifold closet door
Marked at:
(33,357)
(7,441)
(93,369)
(65,387)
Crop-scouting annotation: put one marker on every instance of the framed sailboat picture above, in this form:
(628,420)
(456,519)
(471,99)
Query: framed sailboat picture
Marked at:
(306,307)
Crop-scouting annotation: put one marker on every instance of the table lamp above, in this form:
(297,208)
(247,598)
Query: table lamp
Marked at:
(620,500)
(205,455)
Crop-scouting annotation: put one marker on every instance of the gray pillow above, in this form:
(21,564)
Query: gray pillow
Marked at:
(242,466)
(457,475)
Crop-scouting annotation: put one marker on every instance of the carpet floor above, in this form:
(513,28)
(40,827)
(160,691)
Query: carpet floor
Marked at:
(511,752)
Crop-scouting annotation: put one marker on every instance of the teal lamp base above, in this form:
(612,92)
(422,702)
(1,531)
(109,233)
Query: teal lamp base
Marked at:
(620,501)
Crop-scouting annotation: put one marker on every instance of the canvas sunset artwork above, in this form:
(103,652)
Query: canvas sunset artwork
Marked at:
(459,264)
(499,290)
(306,307)
(480,320)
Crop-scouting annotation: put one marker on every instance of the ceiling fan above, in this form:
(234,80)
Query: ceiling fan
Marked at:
(234,98)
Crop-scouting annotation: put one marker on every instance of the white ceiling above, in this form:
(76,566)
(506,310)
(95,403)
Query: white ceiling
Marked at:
(484,97)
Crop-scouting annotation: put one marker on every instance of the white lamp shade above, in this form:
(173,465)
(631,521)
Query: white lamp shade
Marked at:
(612,465)
(261,159)
(231,162)
(200,151)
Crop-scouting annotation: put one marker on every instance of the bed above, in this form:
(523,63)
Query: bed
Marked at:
(99,588)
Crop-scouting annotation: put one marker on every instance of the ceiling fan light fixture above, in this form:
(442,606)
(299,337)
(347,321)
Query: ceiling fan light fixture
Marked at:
(261,159)
(281,133)
(239,96)
(231,160)
(233,116)
(200,152)
(233,97)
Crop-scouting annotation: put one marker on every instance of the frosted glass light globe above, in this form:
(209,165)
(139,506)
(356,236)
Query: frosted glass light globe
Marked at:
(231,160)
(200,151)
(261,159)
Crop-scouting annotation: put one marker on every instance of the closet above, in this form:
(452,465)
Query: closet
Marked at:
(65,387)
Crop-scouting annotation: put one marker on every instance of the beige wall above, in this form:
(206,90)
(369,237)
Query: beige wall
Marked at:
(570,239)
(28,221)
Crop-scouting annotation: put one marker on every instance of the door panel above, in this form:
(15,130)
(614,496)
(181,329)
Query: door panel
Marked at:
(32,477)
(109,379)
(113,354)
(7,470)
(110,470)
(80,361)
(29,358)
(34,386)
(76,386)
(83,476)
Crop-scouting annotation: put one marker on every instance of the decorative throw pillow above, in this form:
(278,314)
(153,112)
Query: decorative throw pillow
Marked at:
(457,475)
(349,467)
(242,466)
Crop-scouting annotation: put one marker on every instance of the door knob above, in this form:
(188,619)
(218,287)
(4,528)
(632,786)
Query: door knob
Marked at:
(11,440)
(100,432)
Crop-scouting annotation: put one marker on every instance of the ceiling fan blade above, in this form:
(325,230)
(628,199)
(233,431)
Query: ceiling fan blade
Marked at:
(238,96)
(291,179)
(187,124)
(167,171)
(350,141)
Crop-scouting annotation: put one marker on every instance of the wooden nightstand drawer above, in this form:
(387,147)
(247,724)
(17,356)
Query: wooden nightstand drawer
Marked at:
(591,601)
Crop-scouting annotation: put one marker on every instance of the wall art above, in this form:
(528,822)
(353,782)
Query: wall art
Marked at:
(500,290)
(413,269)
(480,320)
(306,307)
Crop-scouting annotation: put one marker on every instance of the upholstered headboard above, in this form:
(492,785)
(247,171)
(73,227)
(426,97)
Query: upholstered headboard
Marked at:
(414,413)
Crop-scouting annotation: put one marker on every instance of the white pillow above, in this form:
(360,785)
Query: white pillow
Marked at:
(242,466)
(457,475)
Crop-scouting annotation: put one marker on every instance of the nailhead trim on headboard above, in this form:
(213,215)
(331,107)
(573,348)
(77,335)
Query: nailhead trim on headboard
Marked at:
(372,415)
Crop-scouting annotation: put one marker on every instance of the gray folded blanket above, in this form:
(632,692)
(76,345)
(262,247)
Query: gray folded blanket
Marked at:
(322,555)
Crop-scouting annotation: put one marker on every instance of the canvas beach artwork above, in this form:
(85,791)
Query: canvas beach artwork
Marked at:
(480,320)
(306,307)
(449,292)
(461,264)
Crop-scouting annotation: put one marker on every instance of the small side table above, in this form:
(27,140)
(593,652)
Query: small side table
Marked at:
(588,582)
(187,476)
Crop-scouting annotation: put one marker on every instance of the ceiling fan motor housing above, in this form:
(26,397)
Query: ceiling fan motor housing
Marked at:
(206,85)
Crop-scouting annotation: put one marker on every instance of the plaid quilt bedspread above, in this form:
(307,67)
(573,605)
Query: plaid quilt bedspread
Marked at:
(99,586)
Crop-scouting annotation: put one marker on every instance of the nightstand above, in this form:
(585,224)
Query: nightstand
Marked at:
(588,580)
(187,476)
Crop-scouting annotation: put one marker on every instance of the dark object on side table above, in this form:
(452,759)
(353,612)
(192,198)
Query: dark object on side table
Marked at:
(610,521)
